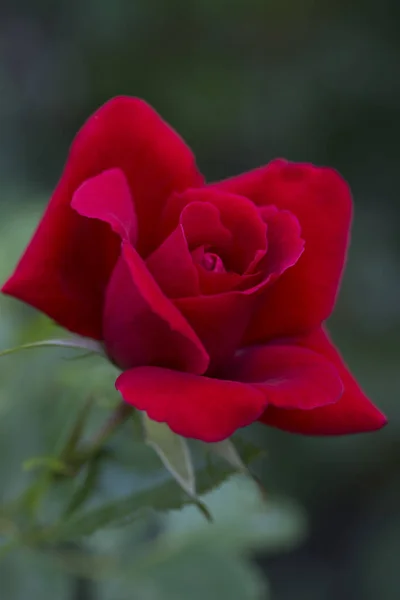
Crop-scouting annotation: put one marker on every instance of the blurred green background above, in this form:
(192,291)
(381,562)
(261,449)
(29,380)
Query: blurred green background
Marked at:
(243,82)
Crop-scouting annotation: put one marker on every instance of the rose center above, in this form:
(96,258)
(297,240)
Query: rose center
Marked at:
(212,262)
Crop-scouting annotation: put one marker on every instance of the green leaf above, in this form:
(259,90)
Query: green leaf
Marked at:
(197,573)
(160,492)
(248,451)
(227,451)
(74,342)
(173,451)
(243,519)
(161,495)
(193,560)
(162,571)
(111,514)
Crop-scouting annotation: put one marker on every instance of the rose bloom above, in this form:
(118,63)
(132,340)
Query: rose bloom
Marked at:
(209,297)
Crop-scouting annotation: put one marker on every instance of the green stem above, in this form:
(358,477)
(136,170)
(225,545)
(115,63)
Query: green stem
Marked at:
(75,459)
(117,418)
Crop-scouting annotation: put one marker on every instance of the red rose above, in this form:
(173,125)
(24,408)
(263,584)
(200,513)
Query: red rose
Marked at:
(209,297)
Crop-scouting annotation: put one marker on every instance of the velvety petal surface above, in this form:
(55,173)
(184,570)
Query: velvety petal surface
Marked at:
(201,222)
(289,376)
(107,197)
(196,407)
(285,243)
(172,266)
(212,282)
(142,326)
(305,294)
(353,413)
(219,321)
(66,267)
(237,214)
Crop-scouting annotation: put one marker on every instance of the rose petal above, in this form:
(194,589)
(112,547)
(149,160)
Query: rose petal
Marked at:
(213,279)
(353,413)
(66,267)
(196,407)
(127,133)
(320,199)
(172,267)
(219,322)
(202,225)
(285,244)
(212,282)
(107,197)
(289,376)
(141,326)
(238,215)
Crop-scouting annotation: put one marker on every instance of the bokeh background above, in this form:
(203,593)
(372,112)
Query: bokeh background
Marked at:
(243,82)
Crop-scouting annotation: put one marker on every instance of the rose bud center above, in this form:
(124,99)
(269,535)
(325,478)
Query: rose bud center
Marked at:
(212,262)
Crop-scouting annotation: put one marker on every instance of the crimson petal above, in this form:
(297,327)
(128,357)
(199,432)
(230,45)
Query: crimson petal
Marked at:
(219,321)
(353,413)
(201,222)
(237,214)
(66,267)
(304,295)
(141,326)
(107,197)
(285,244)
(289,376)
(172,266)
(196,407)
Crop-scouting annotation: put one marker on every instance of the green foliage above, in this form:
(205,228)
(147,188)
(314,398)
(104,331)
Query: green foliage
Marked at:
(190,558)
(178,577)
(173,451)
(227,451)
(129,505)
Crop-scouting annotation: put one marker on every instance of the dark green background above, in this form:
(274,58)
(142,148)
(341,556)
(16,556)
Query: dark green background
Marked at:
(243,82)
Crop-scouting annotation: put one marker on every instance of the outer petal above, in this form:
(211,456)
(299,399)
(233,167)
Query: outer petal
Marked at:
(197,407)
(353,413)
(141,326)
(66,267)
(289,376)
(128,134)
(305,294)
